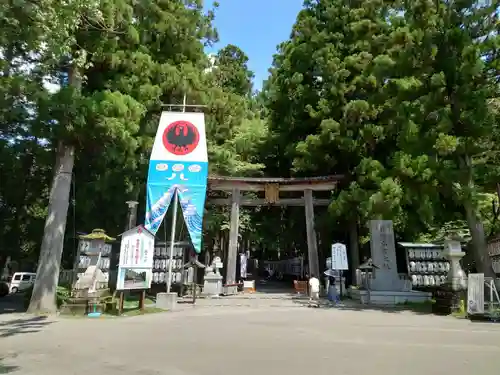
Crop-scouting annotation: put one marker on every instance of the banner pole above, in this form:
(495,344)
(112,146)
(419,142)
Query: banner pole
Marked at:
(172,235)
(174,224)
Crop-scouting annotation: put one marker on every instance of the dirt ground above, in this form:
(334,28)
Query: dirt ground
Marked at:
(250,336)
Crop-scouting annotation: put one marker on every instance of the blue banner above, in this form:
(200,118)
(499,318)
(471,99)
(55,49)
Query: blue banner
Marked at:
(179,164)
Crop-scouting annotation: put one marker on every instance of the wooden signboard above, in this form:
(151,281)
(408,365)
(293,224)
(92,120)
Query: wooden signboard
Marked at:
(136,263)
(136,259)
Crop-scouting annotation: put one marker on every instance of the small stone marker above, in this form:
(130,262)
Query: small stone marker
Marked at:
(475,294)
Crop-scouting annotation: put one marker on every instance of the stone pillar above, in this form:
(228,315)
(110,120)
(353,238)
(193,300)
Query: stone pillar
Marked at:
(232,252)
(448,297)
(383,252)
(312,246)
(132,214)
(456,278)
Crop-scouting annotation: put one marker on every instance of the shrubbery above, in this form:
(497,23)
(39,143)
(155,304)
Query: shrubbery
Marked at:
(62,295)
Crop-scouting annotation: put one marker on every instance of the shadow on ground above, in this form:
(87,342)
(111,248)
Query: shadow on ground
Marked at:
(7,369)
(274,287)
(22,325)
(349,305)
(13,303)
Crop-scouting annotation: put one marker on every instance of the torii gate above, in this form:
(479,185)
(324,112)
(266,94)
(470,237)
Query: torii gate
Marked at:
(272,188)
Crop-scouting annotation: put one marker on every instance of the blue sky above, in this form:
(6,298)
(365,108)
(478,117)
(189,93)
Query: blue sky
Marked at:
(257,27)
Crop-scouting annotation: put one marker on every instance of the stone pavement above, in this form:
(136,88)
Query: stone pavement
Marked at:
(250,336)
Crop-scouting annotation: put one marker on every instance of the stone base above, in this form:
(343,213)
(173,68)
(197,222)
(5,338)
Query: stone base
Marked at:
(388,298)
(230,290)
(449,301)
(80,309)
(166,301)
(212,286)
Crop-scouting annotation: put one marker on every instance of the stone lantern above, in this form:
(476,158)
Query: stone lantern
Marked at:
(449,296)
(456,278)
(93,253)
(91,267)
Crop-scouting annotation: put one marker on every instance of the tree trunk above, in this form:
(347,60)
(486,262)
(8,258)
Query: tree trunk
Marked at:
(43,299)
(476,228)
(479,246)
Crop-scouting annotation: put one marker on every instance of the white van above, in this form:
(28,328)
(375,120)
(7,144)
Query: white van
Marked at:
(21,281)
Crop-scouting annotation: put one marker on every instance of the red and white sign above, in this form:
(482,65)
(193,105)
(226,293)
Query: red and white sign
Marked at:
(136,249)
(180,137)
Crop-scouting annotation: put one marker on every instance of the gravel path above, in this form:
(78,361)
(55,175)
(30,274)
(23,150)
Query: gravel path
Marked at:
(274,336)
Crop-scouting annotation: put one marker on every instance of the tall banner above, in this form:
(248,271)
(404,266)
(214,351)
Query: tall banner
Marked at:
(179,163)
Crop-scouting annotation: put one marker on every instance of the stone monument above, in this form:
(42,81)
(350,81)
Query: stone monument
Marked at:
(383,252)
(212,283)
(385,286)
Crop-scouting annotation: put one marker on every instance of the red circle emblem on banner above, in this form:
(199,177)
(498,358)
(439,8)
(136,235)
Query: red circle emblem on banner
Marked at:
(181,138)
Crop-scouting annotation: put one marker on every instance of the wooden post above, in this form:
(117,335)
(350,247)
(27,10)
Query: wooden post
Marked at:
(120,303)
(312,246)
(232,251)
(76,264)
(195,285)
(142,299)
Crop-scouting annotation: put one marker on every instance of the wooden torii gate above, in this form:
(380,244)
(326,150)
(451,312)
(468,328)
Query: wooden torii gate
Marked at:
(272,188)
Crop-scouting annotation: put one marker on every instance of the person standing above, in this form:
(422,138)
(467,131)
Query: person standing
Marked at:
(333,295)
(313,289)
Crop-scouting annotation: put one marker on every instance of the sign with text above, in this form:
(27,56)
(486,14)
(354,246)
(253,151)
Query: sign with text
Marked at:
(475,293)
(339,257)
(136,259)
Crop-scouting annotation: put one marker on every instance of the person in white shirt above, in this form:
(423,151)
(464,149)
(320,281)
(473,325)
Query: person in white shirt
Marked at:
(313,288)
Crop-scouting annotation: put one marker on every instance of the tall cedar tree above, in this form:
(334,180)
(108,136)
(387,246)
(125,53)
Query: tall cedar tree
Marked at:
(445,81)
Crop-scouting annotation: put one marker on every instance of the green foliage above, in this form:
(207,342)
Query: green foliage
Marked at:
(231,71)
(486,205)
(111,64)
(444,99)
(328,109)
(63,293)
(400,98)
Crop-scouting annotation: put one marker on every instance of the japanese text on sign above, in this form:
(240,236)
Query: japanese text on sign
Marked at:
(339,257)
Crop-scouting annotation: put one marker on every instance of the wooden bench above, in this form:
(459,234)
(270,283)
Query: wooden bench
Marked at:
(300,286)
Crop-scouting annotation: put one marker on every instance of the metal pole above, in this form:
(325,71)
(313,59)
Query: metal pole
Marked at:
(172,235)
(174,224)
(341,291)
